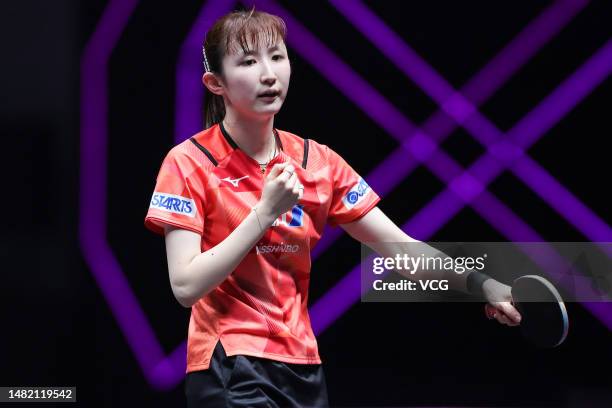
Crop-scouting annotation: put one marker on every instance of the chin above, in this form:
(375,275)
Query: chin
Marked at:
(266,115)
(269,110)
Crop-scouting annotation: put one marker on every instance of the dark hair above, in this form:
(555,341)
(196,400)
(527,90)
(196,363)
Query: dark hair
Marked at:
(237,29)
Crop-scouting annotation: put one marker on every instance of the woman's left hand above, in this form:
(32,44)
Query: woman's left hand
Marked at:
(500,298)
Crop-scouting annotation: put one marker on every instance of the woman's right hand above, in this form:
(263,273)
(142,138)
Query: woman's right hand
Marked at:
(281,190)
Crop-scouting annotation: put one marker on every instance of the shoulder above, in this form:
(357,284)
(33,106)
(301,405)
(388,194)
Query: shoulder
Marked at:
(188,156)
(202,148)
(299,147)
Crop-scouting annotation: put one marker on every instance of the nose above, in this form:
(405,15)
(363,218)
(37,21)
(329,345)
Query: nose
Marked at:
(268,76)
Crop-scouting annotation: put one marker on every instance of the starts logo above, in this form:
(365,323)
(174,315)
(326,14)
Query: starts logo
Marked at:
(173,204)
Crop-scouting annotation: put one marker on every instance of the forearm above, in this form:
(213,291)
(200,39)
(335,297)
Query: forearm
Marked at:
(418,249)
(384,237)
(210,268)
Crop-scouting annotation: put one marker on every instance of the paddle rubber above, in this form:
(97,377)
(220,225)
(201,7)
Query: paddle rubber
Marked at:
(544,320)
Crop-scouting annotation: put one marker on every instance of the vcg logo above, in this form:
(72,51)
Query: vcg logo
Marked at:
(173,204)
(356,194)
(293,218)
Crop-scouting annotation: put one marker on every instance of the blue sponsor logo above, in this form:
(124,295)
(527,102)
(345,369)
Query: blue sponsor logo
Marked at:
(355,194)
(362,187)
(352,197)
(173,204)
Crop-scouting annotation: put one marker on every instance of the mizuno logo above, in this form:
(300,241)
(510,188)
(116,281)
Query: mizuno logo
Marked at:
(234,182)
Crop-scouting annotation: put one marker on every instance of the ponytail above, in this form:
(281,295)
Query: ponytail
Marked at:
(214,109)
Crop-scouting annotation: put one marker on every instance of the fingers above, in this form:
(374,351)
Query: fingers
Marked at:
(504,313)
(298,189)
(503,319)
(290,184)
(286,173)
(277,169)
(510,311)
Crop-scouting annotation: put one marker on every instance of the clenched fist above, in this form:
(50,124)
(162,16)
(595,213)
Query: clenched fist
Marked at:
(281,190)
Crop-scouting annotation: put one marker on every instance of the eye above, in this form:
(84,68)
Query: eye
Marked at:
(248,62)
(277,57)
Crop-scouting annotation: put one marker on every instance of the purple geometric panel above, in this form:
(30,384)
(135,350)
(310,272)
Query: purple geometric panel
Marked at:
(445,205)
(461,109)
(478,89)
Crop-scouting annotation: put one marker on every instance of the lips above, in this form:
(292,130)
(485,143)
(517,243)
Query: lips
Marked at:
(269,94)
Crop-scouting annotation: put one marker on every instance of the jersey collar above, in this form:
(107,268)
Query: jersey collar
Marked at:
(234,145)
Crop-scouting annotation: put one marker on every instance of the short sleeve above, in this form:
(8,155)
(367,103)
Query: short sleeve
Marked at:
(179,196)
(352,197)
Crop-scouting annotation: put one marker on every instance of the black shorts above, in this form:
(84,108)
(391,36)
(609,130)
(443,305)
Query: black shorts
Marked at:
(245,381)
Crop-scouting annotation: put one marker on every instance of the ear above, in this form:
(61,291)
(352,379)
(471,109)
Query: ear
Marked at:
(212,83)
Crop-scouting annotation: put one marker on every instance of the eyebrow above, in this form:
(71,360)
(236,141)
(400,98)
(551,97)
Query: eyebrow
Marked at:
(251,52)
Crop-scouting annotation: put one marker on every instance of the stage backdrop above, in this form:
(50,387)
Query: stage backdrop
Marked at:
(474,121)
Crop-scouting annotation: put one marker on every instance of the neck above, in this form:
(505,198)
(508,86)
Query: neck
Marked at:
(255,137)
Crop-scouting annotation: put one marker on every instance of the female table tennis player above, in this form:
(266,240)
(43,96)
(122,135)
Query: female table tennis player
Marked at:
(241,205)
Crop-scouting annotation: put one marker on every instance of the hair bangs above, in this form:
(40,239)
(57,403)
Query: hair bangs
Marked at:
(254,30)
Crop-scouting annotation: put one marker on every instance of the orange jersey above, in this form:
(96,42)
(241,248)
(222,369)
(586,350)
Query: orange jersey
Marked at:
(208,185)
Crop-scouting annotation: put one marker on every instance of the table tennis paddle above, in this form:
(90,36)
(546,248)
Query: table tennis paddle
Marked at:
(544,320)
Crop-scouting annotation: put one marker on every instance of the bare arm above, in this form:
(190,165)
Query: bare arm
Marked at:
(194,273)
(381,234)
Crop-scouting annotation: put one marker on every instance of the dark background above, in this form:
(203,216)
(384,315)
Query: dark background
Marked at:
(56,326)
